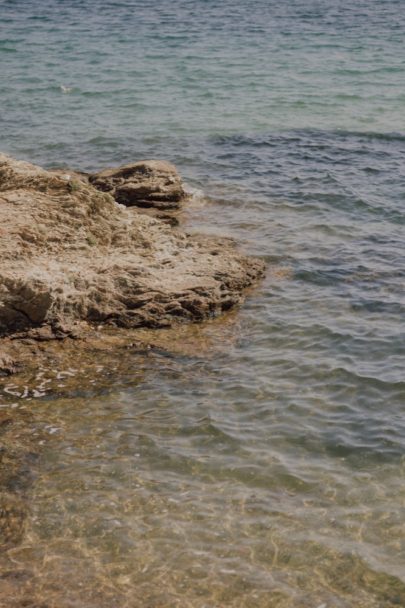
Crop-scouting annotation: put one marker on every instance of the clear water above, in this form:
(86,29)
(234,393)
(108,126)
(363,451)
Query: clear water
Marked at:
(262,462)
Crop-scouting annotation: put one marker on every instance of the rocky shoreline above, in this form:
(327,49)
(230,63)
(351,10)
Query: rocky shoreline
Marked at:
(93,267)
(78,250)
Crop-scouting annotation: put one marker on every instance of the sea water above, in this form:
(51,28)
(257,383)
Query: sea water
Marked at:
(263,464)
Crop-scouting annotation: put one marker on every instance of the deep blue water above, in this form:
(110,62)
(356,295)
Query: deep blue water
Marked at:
(271,470)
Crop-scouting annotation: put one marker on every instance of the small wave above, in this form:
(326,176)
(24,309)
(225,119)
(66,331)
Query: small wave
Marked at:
(378,306)
(354,376)
(196,195)
(102,139)
(371,135)
(8,50)
(300,135)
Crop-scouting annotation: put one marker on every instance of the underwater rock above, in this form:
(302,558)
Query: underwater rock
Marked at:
(8,365)
(69,253)
(148,183)
(13,513)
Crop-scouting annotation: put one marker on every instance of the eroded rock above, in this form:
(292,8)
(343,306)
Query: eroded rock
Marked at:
(69,253)
(149,183)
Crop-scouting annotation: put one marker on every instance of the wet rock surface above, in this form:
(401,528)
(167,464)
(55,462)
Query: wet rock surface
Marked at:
(70,254)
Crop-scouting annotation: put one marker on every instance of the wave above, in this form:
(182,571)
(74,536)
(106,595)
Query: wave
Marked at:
(300,135)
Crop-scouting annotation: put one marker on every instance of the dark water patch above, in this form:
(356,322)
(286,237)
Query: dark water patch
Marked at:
(378,306)
(5,49)
(308,138)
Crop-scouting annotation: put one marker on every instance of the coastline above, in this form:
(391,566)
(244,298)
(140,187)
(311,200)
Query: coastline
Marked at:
(81,251)
(85,281)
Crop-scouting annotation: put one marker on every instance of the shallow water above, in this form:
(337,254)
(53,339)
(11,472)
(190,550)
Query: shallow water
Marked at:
(262,462)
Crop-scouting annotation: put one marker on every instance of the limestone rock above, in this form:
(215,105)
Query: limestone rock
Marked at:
(148,183)
(69,253)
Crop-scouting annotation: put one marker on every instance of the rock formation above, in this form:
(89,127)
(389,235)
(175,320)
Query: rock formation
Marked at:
(151,183)
(69,252)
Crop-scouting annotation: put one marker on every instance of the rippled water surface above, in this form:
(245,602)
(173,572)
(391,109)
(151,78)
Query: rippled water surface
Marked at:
(260,461)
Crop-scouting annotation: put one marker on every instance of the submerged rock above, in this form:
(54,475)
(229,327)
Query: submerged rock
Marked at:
(149,183)
(69,253)
(8,365)
(13,513)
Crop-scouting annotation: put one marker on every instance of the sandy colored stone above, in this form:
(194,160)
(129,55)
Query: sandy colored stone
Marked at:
(69,253)
(149,183)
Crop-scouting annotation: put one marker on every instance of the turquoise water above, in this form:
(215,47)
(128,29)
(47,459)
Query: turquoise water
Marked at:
(263,465)
(141,74)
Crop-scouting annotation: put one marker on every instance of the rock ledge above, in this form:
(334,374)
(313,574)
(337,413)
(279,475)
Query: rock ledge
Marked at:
(70,253)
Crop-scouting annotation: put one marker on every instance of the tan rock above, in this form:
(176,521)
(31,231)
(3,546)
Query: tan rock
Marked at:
(69,253)
(148,183)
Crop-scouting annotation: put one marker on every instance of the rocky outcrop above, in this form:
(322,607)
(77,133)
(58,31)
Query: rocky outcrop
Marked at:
(149,183)
(69,253)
